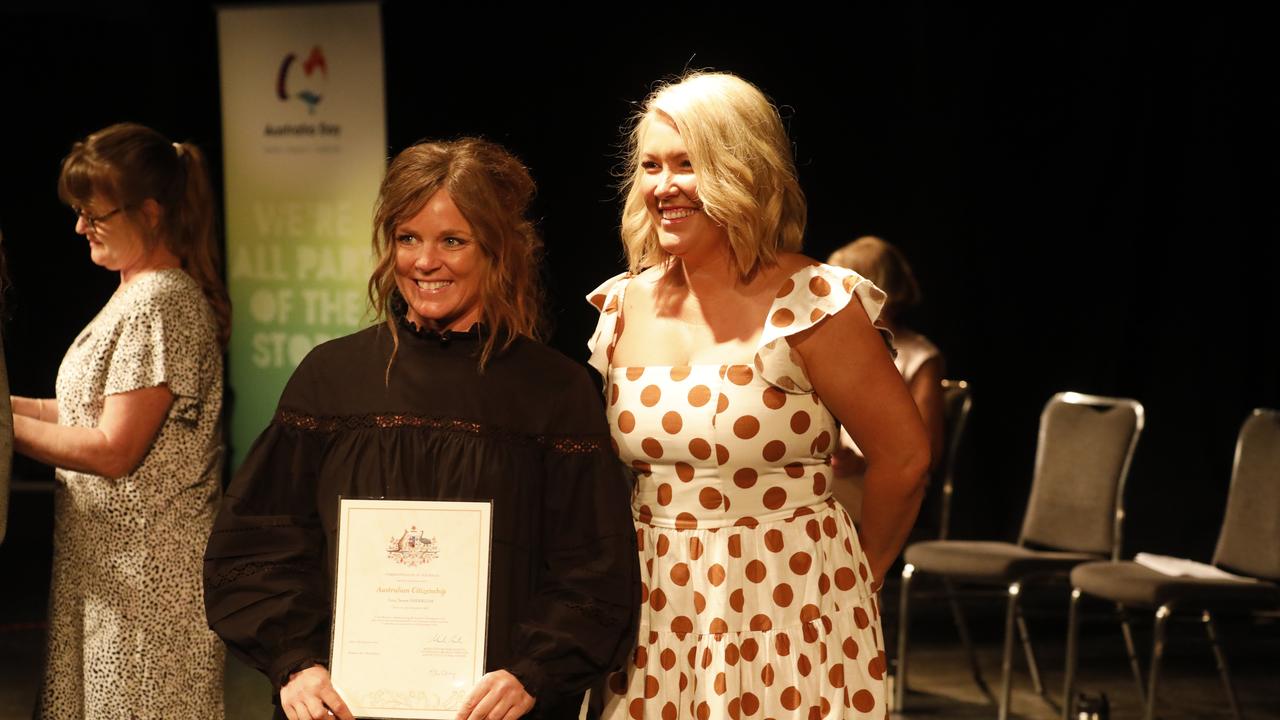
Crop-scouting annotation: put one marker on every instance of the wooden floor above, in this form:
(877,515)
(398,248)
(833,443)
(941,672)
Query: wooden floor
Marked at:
(940,684)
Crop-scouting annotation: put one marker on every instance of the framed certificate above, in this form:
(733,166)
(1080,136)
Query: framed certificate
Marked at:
(410,605)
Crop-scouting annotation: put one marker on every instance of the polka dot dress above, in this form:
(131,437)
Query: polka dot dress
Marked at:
(756,599)
(127,631)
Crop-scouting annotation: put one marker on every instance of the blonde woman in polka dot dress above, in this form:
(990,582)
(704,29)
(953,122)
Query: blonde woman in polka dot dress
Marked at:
(727,358)
(135,434)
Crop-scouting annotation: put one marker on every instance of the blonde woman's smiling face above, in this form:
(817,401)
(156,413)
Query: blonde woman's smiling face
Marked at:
(669,185)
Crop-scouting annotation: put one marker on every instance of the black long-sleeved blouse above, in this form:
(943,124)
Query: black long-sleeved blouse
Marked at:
(528,433)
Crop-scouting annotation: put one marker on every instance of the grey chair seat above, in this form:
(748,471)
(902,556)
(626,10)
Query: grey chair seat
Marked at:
(984,561)
(1136,585)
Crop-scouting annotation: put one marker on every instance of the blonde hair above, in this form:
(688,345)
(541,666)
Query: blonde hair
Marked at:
(746,175)
(492,189)
(127,164)
(886,266)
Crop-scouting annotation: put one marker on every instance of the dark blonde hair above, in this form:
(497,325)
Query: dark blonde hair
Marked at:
(885,266)
(746,175)
(127,164)
(492,189)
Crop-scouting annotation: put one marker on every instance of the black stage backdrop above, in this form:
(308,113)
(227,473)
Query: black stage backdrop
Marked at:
(1088,198)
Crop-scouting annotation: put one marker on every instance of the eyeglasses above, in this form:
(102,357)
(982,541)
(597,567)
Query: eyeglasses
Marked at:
(93,220)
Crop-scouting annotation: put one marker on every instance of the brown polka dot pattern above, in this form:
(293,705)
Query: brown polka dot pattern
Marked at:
(685,471)
(650,395)
(746,427)
(774,398)
(756,605)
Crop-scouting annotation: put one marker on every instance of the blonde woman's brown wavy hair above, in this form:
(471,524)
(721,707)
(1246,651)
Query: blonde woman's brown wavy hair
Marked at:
(746,175)
(492,189)
(126,164)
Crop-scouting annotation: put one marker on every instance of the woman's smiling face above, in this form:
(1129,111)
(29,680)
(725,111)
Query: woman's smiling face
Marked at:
(439,266)
(669,185)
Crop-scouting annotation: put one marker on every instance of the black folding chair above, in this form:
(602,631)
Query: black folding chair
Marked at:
(1074,515)
(957,402)
(1248,545)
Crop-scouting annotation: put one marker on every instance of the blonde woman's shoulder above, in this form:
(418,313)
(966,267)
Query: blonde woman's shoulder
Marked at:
(790,263)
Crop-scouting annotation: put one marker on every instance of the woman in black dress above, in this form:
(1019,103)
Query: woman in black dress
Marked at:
(451,398)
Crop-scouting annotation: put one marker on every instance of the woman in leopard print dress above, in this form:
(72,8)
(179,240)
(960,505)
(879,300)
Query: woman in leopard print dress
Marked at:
(135,435)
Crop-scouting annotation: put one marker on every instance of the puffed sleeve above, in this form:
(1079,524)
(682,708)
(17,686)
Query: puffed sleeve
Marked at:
(264,578)
(809,296)
(166,338)
(582,622)
(607,299)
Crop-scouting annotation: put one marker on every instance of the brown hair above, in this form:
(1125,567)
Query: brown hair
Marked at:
(492,189)
(746,175)
(885,266)
(127,164)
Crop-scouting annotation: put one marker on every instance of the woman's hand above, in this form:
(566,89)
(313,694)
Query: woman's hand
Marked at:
(845,462)
(309,695)
(498,696)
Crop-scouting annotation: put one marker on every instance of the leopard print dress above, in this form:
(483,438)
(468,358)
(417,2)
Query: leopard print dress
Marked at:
(127,630)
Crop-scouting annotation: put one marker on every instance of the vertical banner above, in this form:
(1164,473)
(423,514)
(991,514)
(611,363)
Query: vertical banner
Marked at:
(304,137)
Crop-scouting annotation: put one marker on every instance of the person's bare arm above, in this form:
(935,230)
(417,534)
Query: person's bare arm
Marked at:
(113,449)
(854,376)
(926,390)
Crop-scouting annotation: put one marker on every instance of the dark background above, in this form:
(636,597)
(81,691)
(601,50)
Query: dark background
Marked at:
(1088,198)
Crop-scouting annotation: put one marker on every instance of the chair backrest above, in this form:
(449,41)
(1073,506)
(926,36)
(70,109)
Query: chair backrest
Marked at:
(1083,455)
(957,401)
(1250,539)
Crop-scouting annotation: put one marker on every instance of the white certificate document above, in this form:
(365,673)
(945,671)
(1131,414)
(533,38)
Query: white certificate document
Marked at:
(410,606)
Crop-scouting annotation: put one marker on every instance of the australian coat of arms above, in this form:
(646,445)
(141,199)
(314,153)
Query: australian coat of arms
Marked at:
(413,548)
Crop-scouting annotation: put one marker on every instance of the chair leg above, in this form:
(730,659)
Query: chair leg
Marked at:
(1132,651)
(962,629)
(1069,672)
(900,676)
(1032,666)
(1006,664)
(1157,653)
(1221,659)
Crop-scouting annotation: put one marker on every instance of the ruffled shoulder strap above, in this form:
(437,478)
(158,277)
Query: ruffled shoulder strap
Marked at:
(608,300)
(809,295)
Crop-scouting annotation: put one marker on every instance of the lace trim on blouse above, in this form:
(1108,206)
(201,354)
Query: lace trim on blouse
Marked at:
(563,444)
(231,574)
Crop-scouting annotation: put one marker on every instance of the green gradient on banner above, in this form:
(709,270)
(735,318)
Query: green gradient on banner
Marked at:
(305,149)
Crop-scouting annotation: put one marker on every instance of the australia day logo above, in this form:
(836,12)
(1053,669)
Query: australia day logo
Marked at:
(303,80)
